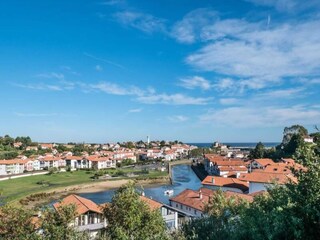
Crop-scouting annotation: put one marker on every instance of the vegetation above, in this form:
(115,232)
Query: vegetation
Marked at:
(130,218)
(286,212)
(20,224)
(15,189)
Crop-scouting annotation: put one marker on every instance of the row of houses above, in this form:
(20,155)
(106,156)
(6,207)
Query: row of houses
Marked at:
(248,176)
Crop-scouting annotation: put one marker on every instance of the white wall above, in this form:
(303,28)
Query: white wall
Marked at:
(186,209)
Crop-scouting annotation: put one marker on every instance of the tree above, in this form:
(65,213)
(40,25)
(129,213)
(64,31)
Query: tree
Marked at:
(290,211)
(16,223)
(58,224)
(288,132)
(130,218)
(258,152)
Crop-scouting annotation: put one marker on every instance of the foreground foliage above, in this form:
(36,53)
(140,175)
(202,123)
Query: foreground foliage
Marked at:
(286,212)
(129,217)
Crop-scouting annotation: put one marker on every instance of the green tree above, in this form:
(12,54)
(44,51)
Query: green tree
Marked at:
(16,223)
(258,152)
(130,218)
(59,224)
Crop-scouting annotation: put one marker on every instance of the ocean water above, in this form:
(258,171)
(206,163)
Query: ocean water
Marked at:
(235,144)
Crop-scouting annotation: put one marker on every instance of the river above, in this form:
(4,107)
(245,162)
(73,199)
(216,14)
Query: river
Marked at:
(183,177)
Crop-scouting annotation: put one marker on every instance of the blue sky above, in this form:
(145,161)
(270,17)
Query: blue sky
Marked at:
(197,71)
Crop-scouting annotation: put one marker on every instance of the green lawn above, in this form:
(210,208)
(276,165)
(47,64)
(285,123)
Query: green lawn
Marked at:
(17,188)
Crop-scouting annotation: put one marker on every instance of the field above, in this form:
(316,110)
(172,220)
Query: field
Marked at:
(19,188)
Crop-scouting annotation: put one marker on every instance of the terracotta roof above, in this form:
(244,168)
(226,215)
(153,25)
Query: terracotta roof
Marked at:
(151,203)
(264,161)
(191,198)
(233,168)
(266,177)
(74,158)
(226,182)
(13,161)
(50,158)
(83,205)
(229,162)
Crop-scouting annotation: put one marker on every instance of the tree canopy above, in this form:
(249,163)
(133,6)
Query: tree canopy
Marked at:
(129,217)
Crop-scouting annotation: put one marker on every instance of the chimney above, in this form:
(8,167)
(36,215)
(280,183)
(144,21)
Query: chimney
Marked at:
(212,179)
(200,194)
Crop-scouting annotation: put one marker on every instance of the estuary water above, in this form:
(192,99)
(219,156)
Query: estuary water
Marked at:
(183,177)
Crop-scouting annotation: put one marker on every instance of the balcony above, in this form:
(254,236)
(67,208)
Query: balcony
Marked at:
(91,227)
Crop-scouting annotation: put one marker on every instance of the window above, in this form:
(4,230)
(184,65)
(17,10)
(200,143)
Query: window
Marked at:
(91,217)
(195,211)
(81,220)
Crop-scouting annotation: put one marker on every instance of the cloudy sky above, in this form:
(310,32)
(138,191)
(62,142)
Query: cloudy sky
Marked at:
(197,71)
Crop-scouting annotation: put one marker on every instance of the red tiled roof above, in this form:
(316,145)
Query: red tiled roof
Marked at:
(264,161)
(266,177)
(151,203)
(191,197)
(83,205)
(13,161)
(226,182)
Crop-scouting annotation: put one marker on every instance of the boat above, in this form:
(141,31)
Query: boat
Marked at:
(168,192)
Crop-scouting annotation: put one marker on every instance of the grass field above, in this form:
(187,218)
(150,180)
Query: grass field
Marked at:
(15,189)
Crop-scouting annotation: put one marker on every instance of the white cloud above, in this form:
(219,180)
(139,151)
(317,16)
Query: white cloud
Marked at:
(282,93)
(178,118)
(113,2)
(229,101)
(259,56)
(142,21)
(55,75)
(98,68)
(40,86)
(173,99)
(115,89)
(287,5)
(190,27)
(19,114)
(135,110)
(195,82)
(251,116)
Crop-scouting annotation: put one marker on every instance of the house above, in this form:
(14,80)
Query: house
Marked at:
(219,165)
(261,163)
(193,202)
(89,215)
(28,165)
(261,180)
(102,162)
(17,144)
(36,165)
(73,162)
(49,162)
(308,139)
(32,148)
(13,166)
(225,184)
(169,215)
(46,145)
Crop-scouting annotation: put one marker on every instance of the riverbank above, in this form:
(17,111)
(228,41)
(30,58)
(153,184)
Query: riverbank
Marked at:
(43,198)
